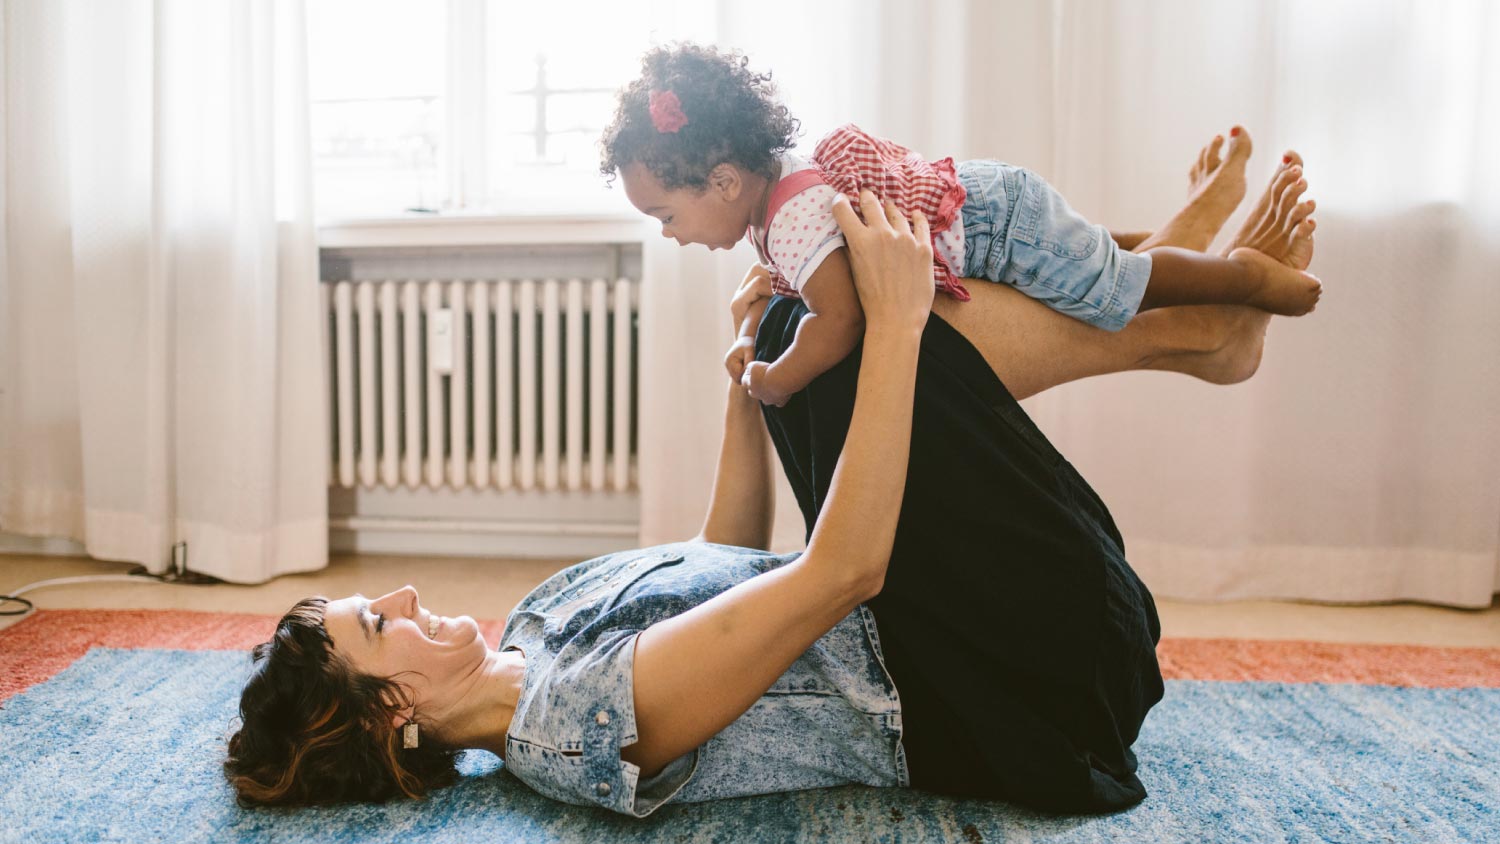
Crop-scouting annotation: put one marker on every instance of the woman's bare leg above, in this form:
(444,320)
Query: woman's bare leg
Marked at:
(1215,188)
(1032,348)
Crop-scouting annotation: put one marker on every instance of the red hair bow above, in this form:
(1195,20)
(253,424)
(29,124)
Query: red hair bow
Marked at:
(666,112)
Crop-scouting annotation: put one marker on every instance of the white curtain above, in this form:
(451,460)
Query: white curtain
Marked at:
(1362,463)
(160,370)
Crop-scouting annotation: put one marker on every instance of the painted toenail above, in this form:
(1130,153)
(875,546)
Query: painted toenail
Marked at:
(1235,132)
(1286,159)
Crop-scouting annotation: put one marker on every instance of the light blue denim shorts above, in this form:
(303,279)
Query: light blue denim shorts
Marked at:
(1019,231)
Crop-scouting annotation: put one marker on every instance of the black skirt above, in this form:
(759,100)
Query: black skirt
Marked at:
(1020,641)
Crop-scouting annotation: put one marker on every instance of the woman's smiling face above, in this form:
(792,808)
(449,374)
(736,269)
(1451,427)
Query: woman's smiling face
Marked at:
(393,636)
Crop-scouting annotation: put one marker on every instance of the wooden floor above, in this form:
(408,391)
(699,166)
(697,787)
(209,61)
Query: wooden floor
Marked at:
(488,588)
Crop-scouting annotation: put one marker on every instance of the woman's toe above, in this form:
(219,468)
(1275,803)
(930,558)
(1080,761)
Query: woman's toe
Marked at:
(1240,145)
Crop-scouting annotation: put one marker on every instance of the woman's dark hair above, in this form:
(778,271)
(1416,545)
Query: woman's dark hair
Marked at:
(732,116)
(315,731)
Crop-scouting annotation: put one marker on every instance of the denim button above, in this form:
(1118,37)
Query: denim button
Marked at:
(602,789)
(602,719)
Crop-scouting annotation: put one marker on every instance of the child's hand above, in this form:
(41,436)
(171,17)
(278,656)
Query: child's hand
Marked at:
(740,355)
(758,382)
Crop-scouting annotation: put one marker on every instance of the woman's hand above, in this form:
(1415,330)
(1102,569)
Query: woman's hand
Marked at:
(891,261)
(745,310)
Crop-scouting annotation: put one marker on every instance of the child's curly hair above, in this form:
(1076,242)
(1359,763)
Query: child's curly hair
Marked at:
(732,116)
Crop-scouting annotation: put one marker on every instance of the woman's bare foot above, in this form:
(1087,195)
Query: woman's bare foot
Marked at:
(1215,188)
(1221,344)
(1263,223)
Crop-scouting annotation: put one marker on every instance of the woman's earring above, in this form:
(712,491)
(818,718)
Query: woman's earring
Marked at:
(409,735)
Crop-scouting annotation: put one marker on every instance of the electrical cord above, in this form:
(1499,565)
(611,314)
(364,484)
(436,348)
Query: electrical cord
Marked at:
(26,606)
(139,574)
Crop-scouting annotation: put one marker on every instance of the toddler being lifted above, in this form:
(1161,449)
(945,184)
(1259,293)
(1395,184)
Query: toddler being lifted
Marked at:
(700,143)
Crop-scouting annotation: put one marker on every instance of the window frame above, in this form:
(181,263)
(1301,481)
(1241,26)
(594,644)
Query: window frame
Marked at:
(464,154)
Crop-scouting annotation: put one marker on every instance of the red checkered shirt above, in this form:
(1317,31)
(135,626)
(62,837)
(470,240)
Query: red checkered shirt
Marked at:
(851,159)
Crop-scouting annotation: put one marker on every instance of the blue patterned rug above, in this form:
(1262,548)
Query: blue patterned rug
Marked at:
(125,745)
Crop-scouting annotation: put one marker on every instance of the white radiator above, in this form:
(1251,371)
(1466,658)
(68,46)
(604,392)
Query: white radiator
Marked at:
(513,385)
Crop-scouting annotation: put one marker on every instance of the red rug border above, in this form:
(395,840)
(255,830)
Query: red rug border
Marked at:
(39,646)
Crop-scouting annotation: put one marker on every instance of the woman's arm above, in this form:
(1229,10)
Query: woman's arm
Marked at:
(742,506)
(697,672)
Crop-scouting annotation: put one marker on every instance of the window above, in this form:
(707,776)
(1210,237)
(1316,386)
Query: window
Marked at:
(376,73)
(474,106)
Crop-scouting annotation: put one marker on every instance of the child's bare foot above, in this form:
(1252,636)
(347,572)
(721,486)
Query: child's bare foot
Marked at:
(1216,185)
(1282,289)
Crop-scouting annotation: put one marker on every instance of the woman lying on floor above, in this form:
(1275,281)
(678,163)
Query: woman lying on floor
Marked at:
(953,556)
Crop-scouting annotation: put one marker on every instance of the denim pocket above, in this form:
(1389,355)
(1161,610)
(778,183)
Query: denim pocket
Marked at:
(992,190)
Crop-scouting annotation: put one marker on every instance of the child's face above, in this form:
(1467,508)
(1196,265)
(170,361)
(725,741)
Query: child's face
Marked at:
(716,217)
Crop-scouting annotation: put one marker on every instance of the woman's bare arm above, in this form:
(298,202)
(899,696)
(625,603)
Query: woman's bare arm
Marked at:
(742,507)
(695,673)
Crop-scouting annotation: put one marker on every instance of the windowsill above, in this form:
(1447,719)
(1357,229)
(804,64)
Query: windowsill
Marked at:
(478,228)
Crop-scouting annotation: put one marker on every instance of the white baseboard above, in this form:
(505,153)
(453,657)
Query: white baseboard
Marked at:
(511,547)
(471,523)
(40,546)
